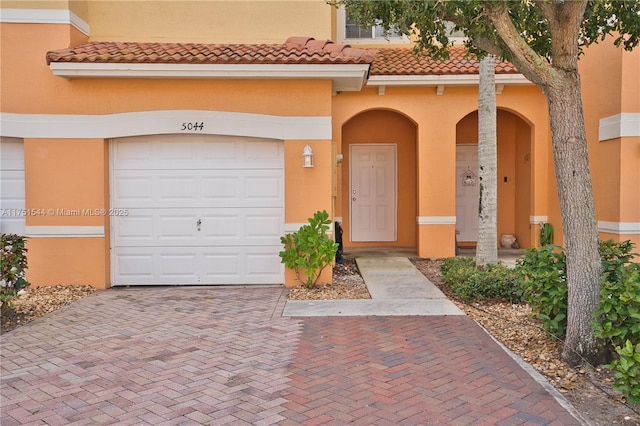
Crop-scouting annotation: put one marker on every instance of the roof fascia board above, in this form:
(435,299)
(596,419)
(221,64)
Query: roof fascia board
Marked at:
(447,80)
(345,77)
(44,16)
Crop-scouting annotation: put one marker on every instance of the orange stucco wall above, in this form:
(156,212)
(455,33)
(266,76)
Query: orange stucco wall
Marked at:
(307,190)
(220,21)
(610,86)
(68,261)
(66,184)
(62,177)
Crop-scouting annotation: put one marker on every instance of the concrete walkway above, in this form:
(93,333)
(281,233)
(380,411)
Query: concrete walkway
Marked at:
(396,287)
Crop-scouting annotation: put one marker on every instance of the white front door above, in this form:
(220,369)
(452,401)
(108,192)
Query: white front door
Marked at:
(194,209)
(373,192)
(467,195)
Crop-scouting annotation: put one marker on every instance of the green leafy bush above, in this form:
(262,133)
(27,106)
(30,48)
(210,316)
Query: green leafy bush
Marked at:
(473,283)
(309,250)
(618,312)
(542,282)
(614,257)
(13,267)
(617,318)
(627,371)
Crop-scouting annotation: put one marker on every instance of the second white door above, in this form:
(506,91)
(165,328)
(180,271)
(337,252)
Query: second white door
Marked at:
(467,193)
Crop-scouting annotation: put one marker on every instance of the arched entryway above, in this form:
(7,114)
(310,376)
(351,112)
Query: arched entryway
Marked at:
(514,137)
(377,180)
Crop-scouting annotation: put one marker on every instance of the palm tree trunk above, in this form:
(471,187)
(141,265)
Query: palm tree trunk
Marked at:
(487,247)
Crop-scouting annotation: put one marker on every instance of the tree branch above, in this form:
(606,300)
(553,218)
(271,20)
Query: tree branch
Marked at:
(531,64)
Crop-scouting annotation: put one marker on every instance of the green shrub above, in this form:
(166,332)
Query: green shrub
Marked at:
(542,283)
(13,267)
(614,257)
(455,269)
(474,283)
(309,250)
(618,313)
(617,318)
(627,371)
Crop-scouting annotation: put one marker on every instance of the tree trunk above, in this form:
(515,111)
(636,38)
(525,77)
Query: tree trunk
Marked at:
(487,247)
(573,177)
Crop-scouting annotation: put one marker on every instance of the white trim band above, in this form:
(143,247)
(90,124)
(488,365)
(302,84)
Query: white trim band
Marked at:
(436,220)
(64,231)
(164,122)
(619,126)
(345,77)
(44,16)
(619,228)
(536,220)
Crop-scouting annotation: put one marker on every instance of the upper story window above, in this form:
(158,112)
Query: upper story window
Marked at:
(352,30)
(349,32)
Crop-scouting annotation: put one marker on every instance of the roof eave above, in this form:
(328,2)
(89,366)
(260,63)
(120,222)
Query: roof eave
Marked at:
(344,77)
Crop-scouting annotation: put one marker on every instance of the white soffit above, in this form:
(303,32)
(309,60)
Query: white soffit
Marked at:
(345,77)
(619,126)
(44,16)
(444,80)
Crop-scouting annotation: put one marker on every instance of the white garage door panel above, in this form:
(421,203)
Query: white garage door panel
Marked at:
(201,188)
(210,265)
(12,186)
(179,227)
(196,152)
(201,210)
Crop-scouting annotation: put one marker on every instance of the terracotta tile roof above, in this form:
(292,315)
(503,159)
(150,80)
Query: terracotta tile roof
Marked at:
(403,61)
(296,50)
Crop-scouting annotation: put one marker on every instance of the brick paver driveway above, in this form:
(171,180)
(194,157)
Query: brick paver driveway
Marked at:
(218,356)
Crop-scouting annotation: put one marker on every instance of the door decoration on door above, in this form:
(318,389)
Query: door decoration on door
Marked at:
(468,178)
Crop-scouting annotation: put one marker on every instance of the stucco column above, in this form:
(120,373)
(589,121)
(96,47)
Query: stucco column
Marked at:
(307,190)
(67,200)
(436,188)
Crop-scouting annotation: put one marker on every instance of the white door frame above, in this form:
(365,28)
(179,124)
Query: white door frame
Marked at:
(394,186)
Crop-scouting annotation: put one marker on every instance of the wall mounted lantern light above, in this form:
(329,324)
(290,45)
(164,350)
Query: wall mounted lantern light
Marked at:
(307,157)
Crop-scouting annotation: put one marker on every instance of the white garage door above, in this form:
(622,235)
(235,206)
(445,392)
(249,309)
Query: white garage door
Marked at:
(12,214)
(194,210)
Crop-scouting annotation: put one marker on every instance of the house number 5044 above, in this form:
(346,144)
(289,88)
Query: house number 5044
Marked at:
(195,126)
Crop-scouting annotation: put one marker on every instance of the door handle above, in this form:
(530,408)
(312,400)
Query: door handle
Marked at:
(198,223)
